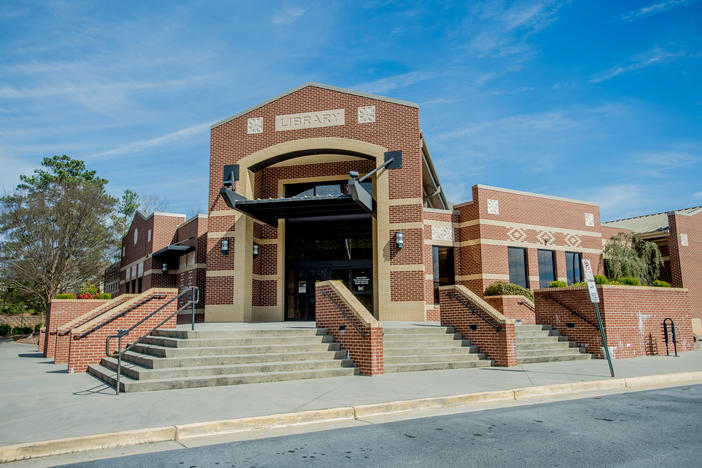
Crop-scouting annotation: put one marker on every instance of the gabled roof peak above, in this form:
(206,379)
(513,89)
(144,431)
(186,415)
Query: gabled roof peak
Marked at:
(322,86)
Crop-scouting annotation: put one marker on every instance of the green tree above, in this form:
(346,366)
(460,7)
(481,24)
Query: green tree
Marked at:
(629,255)
(55,230)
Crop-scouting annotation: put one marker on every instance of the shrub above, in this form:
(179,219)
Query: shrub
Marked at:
(5,329)
(37,327)
(104,296)
(89,288)
(601,279)
(629,281)
(66,296)
(502,288)
(22,330)
(86,296)
(581,283)
(557,284)
(660,284)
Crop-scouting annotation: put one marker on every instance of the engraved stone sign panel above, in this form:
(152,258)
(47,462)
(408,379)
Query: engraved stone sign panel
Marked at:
(328,118)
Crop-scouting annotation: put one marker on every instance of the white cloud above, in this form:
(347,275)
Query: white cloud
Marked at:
(140,145)
(656,56)
(402,80)
(653,9)
(697,194)
(288,14)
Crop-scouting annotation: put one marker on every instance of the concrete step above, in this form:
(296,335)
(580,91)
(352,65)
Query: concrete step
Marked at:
(233,341)
(212,334)
(435,351)
(141,373)
(161,351)
(519,328)
(542,339)
(418,330)
(425,366)
(153,362)
(448,343)
(535,333)
(421,337)
(419,358)
(128,384)
(547,352)
(547,345)
(564,357)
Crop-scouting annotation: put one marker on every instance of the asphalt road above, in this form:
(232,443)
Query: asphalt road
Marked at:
(652,428)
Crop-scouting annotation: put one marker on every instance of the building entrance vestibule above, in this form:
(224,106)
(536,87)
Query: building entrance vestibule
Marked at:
(330,248)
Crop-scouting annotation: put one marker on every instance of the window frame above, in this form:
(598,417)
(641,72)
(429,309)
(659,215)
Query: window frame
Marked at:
(525,265)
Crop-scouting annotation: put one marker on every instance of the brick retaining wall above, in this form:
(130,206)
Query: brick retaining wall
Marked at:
(366,352)
(632,318)
(514,307)
(500,345)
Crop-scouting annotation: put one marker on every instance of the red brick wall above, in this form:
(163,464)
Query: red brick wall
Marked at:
(366,352)
(514,307)
(686,261)
(500,345)
(62,311)
(91,349)
(396,128)
(530,219)
(632,317)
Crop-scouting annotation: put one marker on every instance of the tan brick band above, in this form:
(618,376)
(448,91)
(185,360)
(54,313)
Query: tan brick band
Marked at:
(11,453)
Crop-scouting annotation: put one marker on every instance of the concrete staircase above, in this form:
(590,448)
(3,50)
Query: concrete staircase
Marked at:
(429,348)
(540,343)
(171,359)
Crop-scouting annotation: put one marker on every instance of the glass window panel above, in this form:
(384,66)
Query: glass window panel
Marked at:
(517,266)
(573,267)
(547,267)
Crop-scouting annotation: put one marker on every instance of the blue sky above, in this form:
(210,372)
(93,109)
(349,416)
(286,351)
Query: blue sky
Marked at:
(595,100)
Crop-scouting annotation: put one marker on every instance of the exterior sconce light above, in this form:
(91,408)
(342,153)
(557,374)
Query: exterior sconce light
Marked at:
(400,239)
(164,268)
(224,246)
(255,250)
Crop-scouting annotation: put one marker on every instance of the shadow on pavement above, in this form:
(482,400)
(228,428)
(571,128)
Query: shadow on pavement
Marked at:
(506,369)
(98,389)
(31,355)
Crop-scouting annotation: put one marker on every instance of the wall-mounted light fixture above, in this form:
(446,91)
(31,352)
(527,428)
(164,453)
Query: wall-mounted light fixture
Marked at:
(224,246)
(164,267)
(255,250)
(400,239)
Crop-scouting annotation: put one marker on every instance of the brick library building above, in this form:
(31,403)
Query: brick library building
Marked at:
(325,205)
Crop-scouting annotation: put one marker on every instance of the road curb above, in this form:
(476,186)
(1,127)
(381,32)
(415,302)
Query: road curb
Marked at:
(10,453)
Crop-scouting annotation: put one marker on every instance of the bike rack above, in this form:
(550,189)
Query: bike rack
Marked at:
(672,329)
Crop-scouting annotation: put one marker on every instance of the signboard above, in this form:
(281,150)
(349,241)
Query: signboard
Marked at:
(302,287)
(591,285)
(327,118)
(360,282)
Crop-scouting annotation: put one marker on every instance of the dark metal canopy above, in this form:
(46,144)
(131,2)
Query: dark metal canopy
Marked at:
(271,210)
(172,252)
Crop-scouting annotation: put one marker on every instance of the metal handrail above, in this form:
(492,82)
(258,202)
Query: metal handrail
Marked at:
(194,299)
(468,306)
(361,332)
(529,306)
(551,298)
(113,306)
(672,329)
(121,314)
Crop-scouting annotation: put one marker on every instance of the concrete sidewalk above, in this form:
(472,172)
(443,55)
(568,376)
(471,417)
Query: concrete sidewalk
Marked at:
(43,402)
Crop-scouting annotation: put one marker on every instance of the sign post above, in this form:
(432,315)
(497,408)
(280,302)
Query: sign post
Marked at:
(595,298)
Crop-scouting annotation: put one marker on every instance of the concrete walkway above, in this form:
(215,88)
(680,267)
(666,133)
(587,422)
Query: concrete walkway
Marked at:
(41,401)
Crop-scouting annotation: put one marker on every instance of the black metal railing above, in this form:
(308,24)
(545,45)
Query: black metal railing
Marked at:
(113,306)
(121,314)
(553,299)
(528,305)
(194,293)
(343,312)
(469,307)
(672,329)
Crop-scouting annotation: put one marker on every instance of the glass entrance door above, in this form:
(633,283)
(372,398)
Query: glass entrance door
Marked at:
(326,250)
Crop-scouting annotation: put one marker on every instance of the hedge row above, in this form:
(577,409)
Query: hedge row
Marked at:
(6,329)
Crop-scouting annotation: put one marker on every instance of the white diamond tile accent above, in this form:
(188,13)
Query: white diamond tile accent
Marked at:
(255,125)
(442,232)
(517,234)
(366,114)
(683,240)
